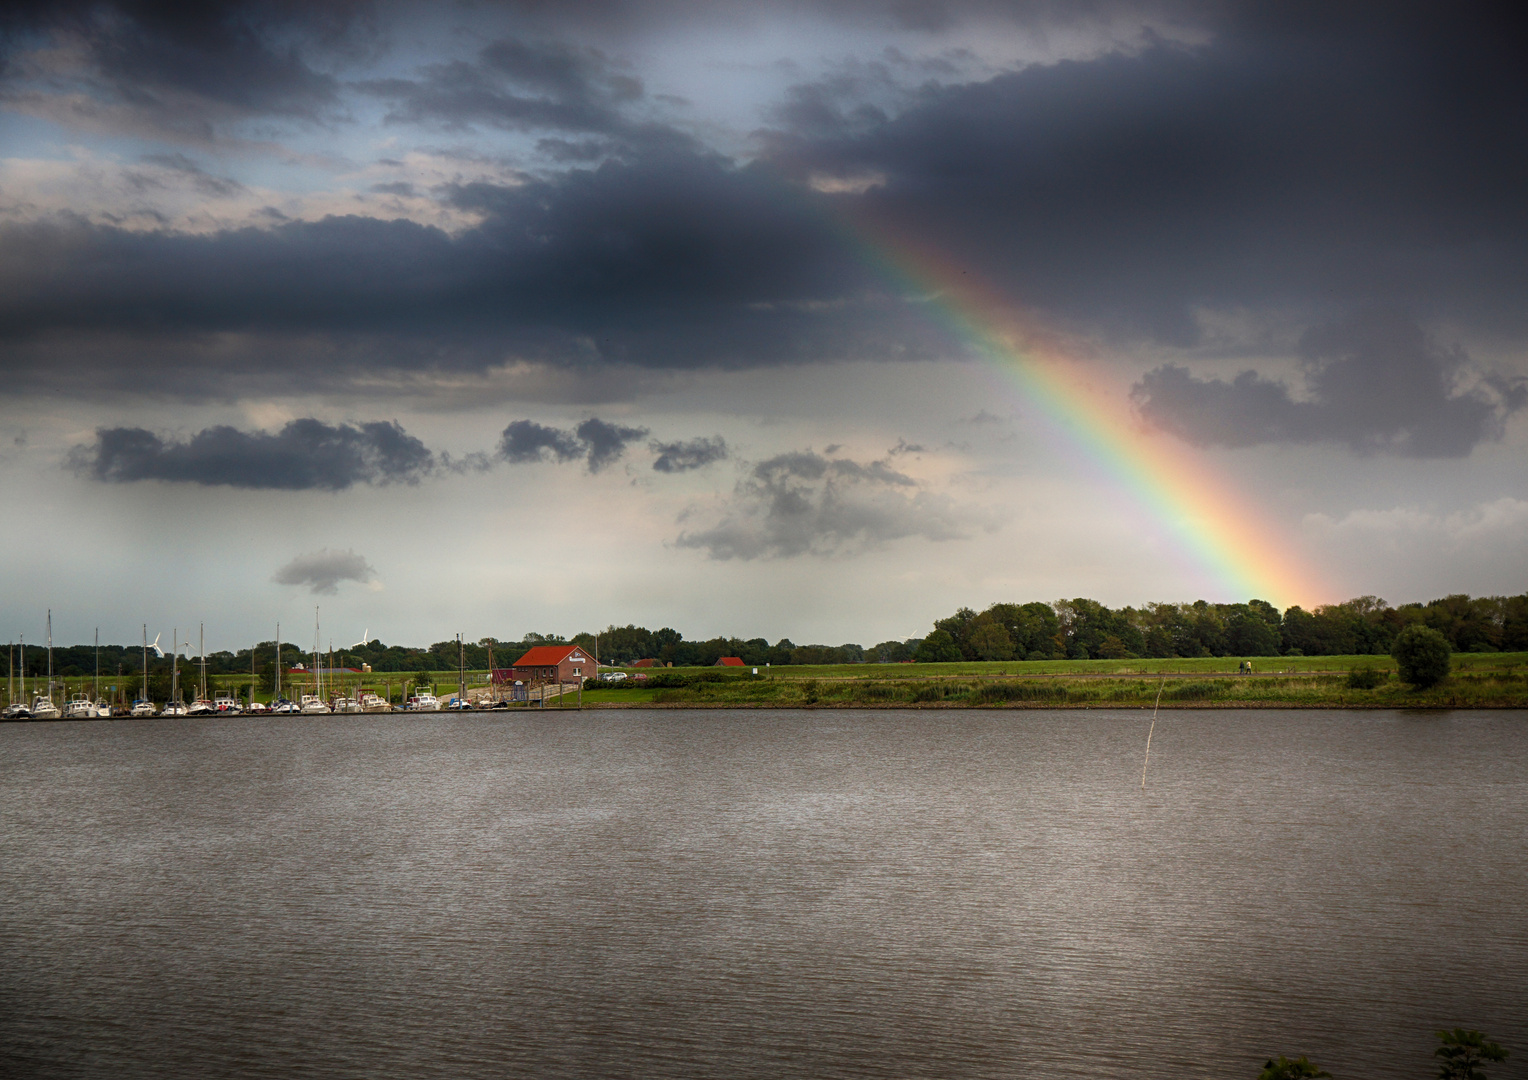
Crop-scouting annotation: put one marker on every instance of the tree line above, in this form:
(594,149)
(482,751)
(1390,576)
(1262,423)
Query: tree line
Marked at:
(1079,629)
(1084,629)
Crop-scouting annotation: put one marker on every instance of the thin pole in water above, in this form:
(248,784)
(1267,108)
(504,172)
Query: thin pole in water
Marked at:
(1150,731)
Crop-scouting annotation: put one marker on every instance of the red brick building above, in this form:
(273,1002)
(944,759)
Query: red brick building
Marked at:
(553,664)
(730,661)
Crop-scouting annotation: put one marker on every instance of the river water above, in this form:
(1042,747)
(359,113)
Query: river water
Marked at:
(761,894)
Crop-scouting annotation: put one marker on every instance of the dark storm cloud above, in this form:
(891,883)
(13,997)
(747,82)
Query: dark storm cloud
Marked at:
(674,259)
(600,443)
(305,454)
(1376,383)
(606,442)
(323,570)
(1340,155)
(676,457)
(173,70)
(517,85)
(802,503)
(525,441)
(1308,159)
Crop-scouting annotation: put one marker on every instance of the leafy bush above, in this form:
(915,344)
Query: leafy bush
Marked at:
(1421,656)
(1021,691)
(1364,678)
(1193,691)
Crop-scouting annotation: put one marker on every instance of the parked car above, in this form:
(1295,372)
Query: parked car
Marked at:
(614,676)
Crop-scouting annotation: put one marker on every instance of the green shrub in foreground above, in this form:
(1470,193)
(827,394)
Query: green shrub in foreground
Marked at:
(1421,656)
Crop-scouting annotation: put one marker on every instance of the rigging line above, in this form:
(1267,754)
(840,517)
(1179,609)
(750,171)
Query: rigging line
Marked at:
(1153,728)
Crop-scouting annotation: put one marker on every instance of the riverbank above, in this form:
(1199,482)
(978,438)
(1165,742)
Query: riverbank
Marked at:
(1480,681)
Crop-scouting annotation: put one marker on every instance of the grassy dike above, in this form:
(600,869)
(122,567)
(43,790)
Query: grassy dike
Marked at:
(1478,681)
(1492,680)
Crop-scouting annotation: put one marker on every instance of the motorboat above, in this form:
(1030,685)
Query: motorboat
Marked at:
(225,703)
(425,702)
(456,704)
(372,703)
(257,707)
(202,707)
(16,711)
(174,708)
(347,705)
(142,708)
(44,709)
(313,704)
(79,707)
(283,707)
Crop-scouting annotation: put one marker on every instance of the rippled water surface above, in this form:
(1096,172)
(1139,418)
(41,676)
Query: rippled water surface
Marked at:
(761,894)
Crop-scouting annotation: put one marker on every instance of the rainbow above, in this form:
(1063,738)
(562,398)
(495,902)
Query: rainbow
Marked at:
(1211,525)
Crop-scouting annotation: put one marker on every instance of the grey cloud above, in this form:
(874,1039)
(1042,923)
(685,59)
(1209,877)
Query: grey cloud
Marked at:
(1376,383)
(676,457)
(1307,157)
(606,442)
(204,181)
(177,71)
(516,85)
(305,454)
(801,503)
(323,571)
(1307,160)
(525,441)
(598,442)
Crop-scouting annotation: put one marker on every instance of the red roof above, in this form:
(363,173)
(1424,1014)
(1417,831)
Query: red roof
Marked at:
(644,663)
(551,655)
(730,661)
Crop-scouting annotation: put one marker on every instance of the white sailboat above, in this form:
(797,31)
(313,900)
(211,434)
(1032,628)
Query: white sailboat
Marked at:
(42,705)
(314,703)
(142,706)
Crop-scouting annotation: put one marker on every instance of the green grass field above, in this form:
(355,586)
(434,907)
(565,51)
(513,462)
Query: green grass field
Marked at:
(1478,680)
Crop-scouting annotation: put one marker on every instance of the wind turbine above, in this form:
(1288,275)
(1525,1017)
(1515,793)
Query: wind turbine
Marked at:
(155,646)
(365,637)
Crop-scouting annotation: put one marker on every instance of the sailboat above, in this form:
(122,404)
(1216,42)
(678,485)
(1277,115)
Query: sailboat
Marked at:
(314,703)
(175,706)
(16,710)
(142,706)
(42,705)
(201,706)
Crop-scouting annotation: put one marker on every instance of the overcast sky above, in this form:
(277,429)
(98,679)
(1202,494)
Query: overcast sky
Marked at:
(509,317)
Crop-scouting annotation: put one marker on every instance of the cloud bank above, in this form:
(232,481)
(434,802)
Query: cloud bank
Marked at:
(1376,383)
(304,455)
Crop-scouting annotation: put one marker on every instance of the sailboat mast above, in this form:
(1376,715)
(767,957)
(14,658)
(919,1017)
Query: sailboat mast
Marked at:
(50,654)
(278,662)
(175,664)
(201,643)
(144,696)
(95,687)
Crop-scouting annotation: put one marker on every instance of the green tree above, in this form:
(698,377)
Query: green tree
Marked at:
(1421,656)
(1464,1052)
(938,648)
(1285,1069)
(991,641)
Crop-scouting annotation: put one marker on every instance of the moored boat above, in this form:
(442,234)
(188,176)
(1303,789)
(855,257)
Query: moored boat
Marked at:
(142,708)
(225,703)
(373,703)
(423,702)
(313,704)
(173,708)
